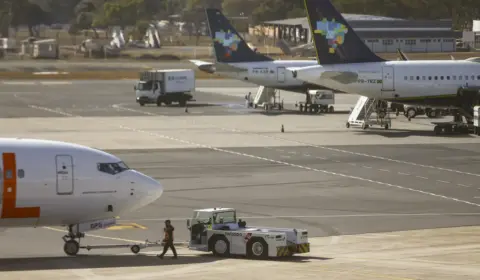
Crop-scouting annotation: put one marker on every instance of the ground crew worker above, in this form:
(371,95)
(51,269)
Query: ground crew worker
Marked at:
(168,240)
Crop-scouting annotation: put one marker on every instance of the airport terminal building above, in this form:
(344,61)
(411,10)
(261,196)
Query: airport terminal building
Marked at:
(381,34)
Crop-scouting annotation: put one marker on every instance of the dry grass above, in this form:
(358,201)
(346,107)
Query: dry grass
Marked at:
(90,75)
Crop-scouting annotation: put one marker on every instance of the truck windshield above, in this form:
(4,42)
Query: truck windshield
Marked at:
(224,217)
(144,85)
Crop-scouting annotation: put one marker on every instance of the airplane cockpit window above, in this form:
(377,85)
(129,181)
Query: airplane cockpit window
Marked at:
(112,168)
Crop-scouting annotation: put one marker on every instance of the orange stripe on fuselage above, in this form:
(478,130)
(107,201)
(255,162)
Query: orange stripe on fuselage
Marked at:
(9,200)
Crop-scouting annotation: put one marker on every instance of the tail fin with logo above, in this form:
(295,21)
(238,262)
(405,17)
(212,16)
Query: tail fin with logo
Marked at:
(334,39)
(229,46)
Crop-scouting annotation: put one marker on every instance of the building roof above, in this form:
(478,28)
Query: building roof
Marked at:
(348,17)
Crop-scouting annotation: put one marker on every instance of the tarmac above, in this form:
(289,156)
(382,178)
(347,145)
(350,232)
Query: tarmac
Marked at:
(396,204)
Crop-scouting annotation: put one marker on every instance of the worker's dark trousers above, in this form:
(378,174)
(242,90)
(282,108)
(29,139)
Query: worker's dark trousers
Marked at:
(169,245)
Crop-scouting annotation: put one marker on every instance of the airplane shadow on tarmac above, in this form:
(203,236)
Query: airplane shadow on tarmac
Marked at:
(296,112)
(403,133)
(115,261)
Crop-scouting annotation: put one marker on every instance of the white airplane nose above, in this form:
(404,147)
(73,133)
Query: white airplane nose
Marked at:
(148,188)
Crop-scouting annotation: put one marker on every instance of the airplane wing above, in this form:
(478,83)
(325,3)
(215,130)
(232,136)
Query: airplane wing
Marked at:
(210,67)
(204,65)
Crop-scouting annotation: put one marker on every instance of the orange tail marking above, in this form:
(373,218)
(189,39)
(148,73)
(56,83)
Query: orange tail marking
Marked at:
(9,200)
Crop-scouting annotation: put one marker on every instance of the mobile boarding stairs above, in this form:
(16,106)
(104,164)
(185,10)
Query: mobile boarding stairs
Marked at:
(361,115)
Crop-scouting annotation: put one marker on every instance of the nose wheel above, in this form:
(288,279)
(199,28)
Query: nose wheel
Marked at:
(71,245)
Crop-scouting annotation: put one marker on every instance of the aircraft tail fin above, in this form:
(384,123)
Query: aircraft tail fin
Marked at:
(228,45)
(334,39)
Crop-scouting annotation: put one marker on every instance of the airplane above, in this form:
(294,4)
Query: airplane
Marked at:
(345,63)
(53,183)
(235,59)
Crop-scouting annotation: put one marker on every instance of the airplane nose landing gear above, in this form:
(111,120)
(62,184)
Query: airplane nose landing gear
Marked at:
(71,246)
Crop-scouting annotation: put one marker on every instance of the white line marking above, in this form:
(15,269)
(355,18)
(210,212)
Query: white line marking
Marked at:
(421,177)
(307,155)
(51,110)
(445,182)
(401,173)
(288,164)
(353,164)
(462,185)
(285,156)
(339,150)
(18,83)
(321,158)
(337,161)
(384,170)
(281,151)
(366,166)
(320,216)
(292,153)
(55,83)
(476,197)
(119,107)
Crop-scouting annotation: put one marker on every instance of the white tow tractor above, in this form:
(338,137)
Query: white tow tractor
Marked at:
(318,101)
(217,230)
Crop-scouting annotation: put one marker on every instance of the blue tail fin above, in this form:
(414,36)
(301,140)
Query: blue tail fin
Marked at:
(229,46)
(334,39)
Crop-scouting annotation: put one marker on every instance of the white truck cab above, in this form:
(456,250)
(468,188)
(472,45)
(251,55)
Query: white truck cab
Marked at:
(217,230)
(318,101)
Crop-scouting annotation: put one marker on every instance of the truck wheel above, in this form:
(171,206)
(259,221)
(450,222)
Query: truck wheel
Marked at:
(220,246)
(331,109)
(411,113)
(258,249)
(159,102)
(142,104)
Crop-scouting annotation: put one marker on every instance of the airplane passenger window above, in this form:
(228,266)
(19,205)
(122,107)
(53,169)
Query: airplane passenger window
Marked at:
(441,77)
(112,168)
(473,77)
(423,78)
(466,77)
(448,77)
(418,78)
(411,78)
(21,173)
(436,78)
(478,77)
(406,78)
(429,77)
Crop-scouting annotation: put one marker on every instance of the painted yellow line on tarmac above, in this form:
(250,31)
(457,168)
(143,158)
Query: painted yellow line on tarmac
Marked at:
(126,226)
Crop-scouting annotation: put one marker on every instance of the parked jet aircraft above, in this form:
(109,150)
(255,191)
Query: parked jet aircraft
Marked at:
(52,183)
(345,63)
(235,59)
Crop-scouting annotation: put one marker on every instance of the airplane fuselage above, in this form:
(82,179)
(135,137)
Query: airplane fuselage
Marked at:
(49,183)
(272,74)
(433,83)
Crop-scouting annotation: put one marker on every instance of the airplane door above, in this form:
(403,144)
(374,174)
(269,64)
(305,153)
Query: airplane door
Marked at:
(388,83)
(64,174)
(281,74)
